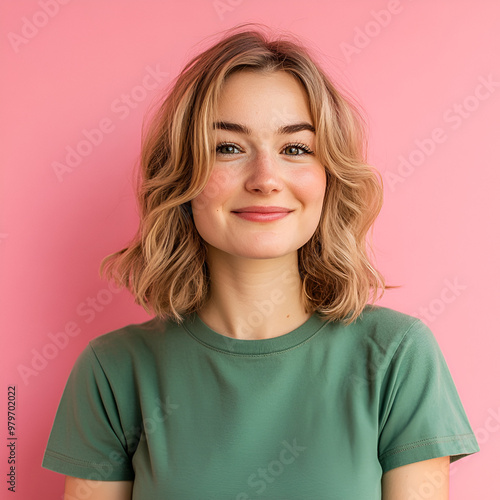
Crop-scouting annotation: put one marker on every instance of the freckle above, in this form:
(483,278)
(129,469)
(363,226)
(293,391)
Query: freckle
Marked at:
(287,315)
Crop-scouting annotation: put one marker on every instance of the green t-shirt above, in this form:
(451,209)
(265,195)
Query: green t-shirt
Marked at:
(318,413)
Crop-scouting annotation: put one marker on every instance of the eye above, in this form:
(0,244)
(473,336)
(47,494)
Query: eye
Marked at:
(227,148)
(297,150)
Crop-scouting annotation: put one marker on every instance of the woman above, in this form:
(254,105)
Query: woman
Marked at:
(265,373)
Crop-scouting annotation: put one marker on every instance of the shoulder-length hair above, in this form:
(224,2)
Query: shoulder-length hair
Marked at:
(164,266)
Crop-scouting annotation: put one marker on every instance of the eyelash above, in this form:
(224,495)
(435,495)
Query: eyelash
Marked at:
(298,145)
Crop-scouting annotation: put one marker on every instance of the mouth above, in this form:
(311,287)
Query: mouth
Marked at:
(262,213)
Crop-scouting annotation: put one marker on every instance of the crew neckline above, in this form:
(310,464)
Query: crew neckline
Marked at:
(195,326)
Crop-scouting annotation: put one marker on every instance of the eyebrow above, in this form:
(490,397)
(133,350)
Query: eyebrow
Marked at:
(283,130)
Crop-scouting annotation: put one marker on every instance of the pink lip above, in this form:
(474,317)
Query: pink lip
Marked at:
(261,213)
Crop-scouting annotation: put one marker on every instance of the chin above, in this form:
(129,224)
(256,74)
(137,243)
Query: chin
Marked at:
(268,256)
(264,253)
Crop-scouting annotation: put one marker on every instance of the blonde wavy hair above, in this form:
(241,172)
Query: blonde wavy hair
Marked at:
(164,266)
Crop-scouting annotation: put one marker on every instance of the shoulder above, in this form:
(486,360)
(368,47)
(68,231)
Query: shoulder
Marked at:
(400,339)
(138,341)
(397,327)
(380,332)
(381,323)
(374,316)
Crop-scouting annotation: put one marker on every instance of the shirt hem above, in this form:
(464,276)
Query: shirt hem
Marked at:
(69,466)
(456,447)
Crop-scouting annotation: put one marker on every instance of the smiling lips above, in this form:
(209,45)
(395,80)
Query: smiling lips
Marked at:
(262,214)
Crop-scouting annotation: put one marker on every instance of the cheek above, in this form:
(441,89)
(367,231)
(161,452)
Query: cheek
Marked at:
(214,192)
(310,186)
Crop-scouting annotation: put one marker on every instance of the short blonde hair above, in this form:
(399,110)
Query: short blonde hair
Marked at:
(164,266)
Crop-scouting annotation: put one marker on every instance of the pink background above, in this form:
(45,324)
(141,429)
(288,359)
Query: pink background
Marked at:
(426,73)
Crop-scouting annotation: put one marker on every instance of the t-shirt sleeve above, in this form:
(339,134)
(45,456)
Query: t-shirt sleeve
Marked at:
(87,439)
(421,415)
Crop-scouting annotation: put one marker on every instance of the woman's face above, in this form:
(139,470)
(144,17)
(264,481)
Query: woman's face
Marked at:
(265,194)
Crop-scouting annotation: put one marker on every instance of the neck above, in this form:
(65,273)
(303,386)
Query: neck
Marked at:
(253,298)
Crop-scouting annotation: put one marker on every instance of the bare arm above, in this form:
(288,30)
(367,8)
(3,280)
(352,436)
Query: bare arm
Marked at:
(428,479)
(85,489)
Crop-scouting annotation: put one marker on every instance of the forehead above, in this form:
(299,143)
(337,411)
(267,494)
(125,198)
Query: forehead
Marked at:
(255,95)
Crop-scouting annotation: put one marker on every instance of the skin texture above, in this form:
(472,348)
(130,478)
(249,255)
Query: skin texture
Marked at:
(261,170)
(428,480)
(250,260)
(83,489)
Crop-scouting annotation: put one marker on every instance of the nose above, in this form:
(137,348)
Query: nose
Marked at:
(264,176)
